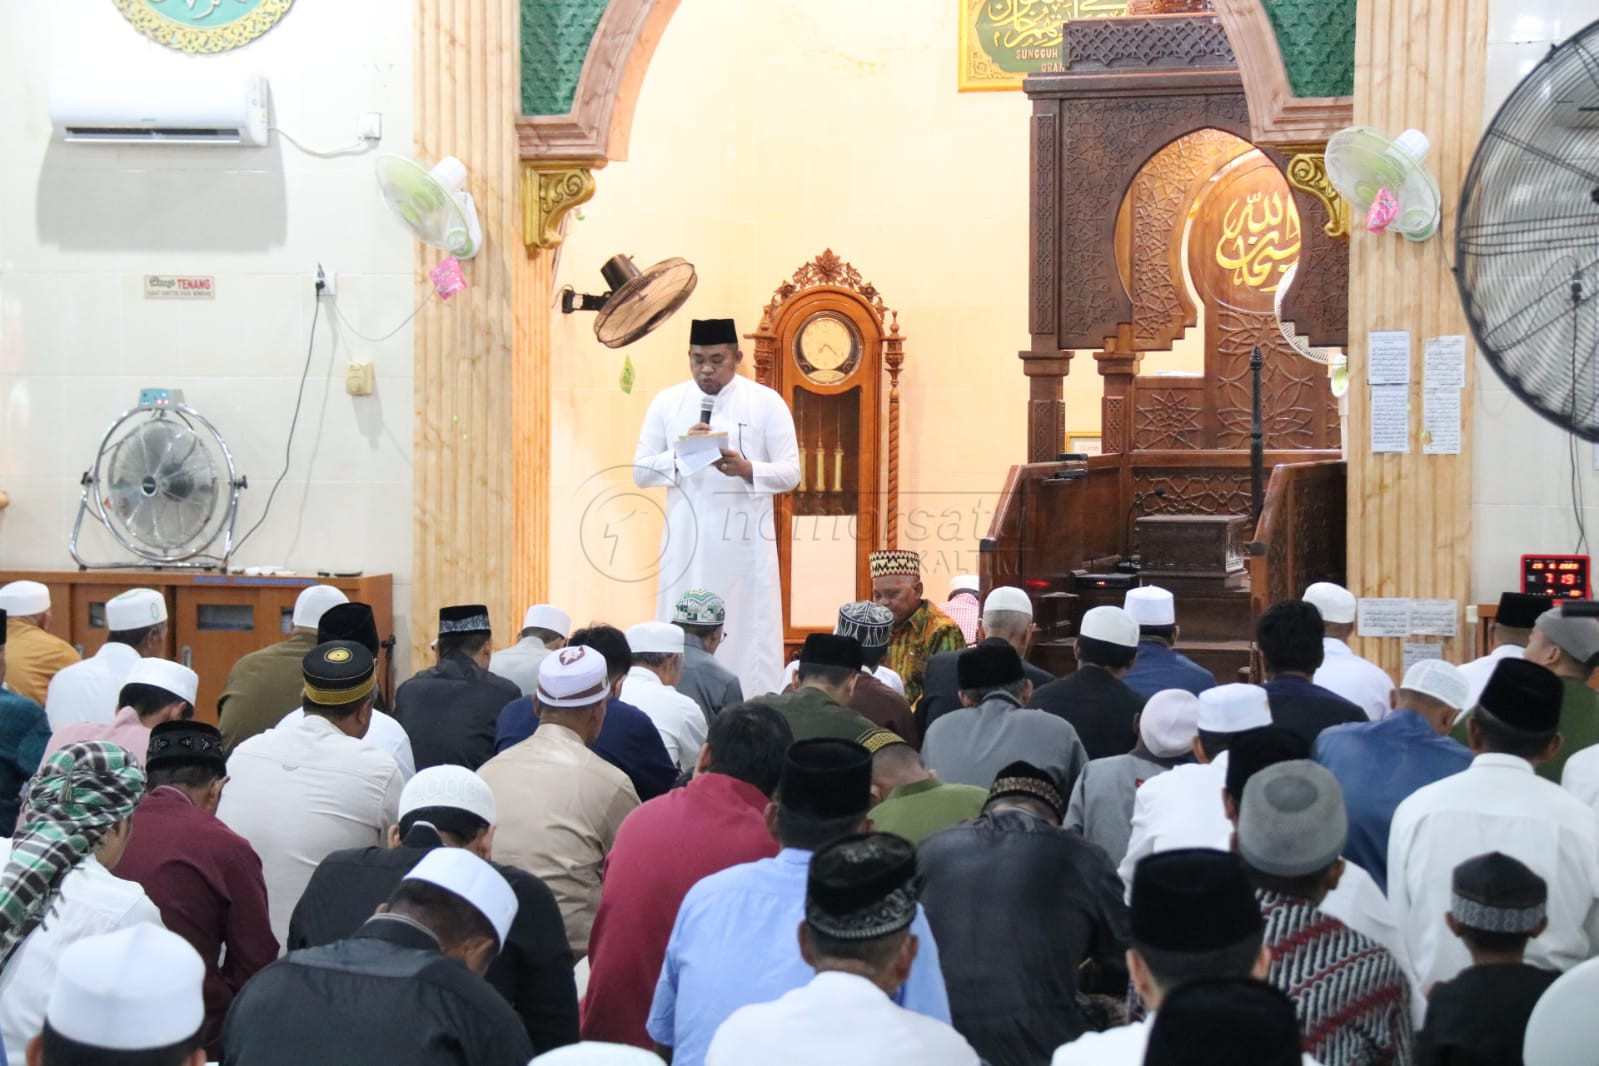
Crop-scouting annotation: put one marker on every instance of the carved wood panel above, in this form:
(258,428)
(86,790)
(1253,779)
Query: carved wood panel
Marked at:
(1167,418)
(1046,193)
(1113,432)
(1192,491)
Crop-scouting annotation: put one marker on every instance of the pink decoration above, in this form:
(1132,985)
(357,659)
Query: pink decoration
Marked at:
(1384,209)
(447,278)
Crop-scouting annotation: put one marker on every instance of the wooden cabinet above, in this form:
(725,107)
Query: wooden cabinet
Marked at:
(212,619)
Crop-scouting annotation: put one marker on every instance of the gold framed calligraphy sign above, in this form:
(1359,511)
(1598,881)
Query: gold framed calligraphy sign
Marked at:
(1003,41)
(203,27)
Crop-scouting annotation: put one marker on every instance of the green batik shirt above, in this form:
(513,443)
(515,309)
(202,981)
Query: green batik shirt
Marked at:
(923,635)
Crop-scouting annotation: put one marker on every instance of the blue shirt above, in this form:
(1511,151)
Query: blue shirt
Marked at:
(1158,667)
(1379,764)
(736,942)
(628,740)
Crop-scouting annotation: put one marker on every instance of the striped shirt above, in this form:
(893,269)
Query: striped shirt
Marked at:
(1350,993)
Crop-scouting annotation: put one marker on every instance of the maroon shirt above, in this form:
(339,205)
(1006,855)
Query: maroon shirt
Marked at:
(206,880)
(663,848)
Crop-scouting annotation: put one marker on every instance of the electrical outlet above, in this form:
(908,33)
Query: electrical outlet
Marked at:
(369,126)
(359,379)
(326,282)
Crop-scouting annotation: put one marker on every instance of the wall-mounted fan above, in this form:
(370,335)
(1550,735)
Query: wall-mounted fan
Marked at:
(1364,164)
(164,485)
(434,204)
(638,302)
(1527,238)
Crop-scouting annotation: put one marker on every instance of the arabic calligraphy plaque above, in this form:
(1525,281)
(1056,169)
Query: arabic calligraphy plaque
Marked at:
(1003,41)
(203,26)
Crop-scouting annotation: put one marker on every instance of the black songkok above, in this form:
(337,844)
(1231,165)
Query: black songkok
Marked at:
(989,666)
(1025,779)
(463,618)
(829,649)
(339,672)
(349,621)
(1224,1021)
(827,778)
(1193,900)
(1494,893)
(862,887)
(178,743)
(705,331)
(1524,696)
(1520,610)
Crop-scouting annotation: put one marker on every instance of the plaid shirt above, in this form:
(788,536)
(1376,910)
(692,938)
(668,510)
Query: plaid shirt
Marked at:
(923,635)
(967,613)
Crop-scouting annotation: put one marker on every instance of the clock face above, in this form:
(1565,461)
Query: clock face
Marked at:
(827,348)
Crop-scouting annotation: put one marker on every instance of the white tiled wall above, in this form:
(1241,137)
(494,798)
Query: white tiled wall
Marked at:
(1521,492)
(80,225)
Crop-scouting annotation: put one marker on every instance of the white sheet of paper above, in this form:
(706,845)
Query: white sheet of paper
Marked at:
(1444,362)
(1382,617)
(694,454)
(1440,421)
(1435,618)
(1390,418)
(1419,650)
(1389,362)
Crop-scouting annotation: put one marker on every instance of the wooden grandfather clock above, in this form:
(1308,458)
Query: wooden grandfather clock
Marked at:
(826,343)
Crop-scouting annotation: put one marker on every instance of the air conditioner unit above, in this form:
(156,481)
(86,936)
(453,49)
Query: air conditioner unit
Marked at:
(105,107)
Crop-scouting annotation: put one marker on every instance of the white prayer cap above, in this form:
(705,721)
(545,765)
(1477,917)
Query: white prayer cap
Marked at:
(448,786)
(1440,680)
(1335,603)
(660,638)
(594,1053)
(21,599)
(166,675)
(964,581)
(1563,1029)
(1151,605)
(547,616)
(574,676)
(458,870)
(1008,598)
(1111,625)
(136,989)
(1233,708)
(313,602)
(1169,722)
(135,609)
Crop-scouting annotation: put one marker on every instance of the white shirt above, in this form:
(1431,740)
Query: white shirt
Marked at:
(519,664)
(301,791)
(888,677)
(1495,804)
(87,691)
(384,733)
(838,1019)
(677,717)
(1181,808)
(1116,1047)
(1580,777)
(92,901)
(1360,681)
(1479,670)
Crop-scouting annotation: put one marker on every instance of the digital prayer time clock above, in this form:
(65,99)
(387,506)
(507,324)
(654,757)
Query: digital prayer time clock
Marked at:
(1561,576)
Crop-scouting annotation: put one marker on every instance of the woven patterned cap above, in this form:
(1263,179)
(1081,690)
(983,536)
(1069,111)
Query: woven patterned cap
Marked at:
(868,622)
(700,607)
(895,561)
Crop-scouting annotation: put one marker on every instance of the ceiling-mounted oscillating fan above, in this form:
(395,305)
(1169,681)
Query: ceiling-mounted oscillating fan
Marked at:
(638,302)
(434,203)
(163,484)
(1334,359)
(1369,168)
(1527,238)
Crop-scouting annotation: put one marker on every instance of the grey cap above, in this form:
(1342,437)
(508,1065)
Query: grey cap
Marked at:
(1292,821)
(1577,637)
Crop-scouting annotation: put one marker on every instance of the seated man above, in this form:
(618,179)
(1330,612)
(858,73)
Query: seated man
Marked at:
(265,685)
(449,710)
(24,731)
(560,805)
(1289,636)
(544,629)
(136,624)
(451,807)
(984,880)
(1378,764)
(416,971)
(829,670)
(1568,648)
(733,943)
(1007,619)
(997,726)
(921,630)
(37,655)
(154,691)
(651,687)
(1160,666)
(860,901)
(1094,698)
(702,616)
(910,799)
(1360,681)
(1509,631)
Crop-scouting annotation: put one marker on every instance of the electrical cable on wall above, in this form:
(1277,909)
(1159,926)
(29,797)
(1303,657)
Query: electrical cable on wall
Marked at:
(403,322)
(356,147)
(288,446)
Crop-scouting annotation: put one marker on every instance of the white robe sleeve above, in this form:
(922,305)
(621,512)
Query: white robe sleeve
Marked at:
(781,472)
(654,463)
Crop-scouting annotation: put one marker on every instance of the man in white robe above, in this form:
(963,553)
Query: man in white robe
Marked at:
(720,532)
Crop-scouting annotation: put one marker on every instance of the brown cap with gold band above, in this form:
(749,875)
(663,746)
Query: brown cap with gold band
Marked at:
(338,672)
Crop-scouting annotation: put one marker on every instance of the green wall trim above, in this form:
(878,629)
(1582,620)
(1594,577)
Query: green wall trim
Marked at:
(555,41)
(1317,42)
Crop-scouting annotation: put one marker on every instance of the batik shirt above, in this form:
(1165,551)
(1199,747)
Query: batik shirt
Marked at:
(923,635)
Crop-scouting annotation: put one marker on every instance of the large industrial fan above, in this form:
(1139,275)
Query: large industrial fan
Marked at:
(1527,239)
(163,484)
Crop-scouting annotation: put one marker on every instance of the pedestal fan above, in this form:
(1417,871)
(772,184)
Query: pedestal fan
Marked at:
(164,485)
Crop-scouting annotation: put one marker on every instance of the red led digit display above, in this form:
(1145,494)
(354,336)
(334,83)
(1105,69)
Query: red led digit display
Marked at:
(1562,576)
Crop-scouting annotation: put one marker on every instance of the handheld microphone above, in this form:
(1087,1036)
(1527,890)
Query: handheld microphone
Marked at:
(705,409)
